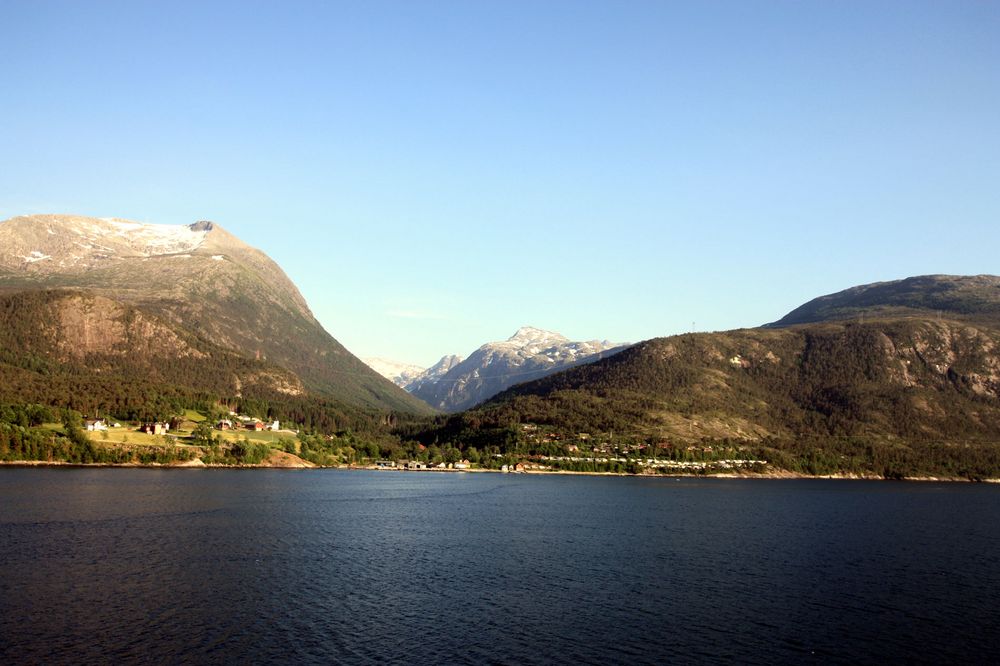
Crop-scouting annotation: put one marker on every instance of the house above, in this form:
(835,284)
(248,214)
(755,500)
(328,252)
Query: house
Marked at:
(253,425)
(96,425)
(155,428)
(463,464)
(224,424)
(415,464)
(519,467)
(274,426)
(385,464)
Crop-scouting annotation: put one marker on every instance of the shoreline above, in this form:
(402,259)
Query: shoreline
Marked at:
(775,475)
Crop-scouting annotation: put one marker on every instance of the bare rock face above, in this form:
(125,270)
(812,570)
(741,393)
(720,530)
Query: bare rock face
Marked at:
(98,325)
(73,331)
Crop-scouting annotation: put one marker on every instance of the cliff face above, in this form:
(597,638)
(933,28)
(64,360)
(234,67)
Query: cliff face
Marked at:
(67,333)
(87,325)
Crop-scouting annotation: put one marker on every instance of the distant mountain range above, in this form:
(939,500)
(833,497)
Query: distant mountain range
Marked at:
(181,309)
(453,384)
(400,374)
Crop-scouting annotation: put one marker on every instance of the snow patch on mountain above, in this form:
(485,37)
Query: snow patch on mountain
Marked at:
(409,376)
(36,256)
(153,239)
(398,373)
(531,353)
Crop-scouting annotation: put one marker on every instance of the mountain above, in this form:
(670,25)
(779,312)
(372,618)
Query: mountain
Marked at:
(111,295)
(529,354)
(409,377)
(926,296)
(433,374)
(909,384)
(400,374)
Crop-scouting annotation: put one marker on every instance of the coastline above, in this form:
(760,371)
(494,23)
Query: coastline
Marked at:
(305,465)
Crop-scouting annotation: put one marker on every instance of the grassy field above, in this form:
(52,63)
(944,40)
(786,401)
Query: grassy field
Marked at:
(128,434)
(263,436)
(191,415)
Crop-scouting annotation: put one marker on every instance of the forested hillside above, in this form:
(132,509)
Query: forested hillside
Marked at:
(897,395)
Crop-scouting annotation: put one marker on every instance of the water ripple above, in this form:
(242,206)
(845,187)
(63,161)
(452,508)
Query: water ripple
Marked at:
(356,568)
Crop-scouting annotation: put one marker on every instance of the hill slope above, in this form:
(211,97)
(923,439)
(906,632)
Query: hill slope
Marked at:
(890,395)
(199,282)
(927,296)
(905,379)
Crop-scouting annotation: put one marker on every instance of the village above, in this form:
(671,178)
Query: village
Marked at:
(538,449)
(233,422)
(664,455)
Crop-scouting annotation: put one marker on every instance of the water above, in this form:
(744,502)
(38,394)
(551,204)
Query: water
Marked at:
(205,566)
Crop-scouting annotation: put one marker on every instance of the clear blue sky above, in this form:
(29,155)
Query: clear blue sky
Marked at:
(434,175)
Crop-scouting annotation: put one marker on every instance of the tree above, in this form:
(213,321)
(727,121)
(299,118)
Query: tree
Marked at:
(202,434)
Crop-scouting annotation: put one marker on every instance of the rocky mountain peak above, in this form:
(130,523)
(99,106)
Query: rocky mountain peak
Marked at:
(398,373)
(409,376)
(66,243)
(445,364)
(528,354)
(531,336)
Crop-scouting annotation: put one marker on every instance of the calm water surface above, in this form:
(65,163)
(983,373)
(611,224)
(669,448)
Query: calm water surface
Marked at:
(205,566)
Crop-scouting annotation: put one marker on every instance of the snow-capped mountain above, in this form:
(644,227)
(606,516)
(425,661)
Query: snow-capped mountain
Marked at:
(398,373)
(434,373)
(531,353)
(56,243)
(409,376)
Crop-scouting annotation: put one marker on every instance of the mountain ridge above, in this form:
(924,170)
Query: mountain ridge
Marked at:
(933,296)
(914,392)
(528,354)
(198,278)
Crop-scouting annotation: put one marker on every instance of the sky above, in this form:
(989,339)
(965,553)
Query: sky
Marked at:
(434,175)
